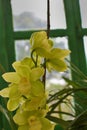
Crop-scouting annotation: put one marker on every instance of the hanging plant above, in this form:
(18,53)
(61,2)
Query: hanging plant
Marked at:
(26,91)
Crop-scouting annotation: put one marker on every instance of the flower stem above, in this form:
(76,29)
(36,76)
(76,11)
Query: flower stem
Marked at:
(48,31)
(48,18)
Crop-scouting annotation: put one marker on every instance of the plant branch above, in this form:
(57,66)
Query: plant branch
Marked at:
(35,62)
(48,18)
(48,31)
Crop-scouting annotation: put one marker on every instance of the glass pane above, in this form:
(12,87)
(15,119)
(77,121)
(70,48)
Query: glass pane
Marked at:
(22,49)
(57,14)
(28,15)
(85,46)
(83,7)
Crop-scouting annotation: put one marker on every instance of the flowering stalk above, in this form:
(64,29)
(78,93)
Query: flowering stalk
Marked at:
(25,92)
(48,18)
(48,31)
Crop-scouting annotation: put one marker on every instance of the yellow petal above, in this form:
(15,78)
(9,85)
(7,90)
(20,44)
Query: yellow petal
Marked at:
(37,88)
(28,62)
(34,123)
(21,117)
(24,87)
(42,52)
(24,127)
(34,103)
(59,53)
(36,73)
(14,92)
(39,40)
(37,37)
(16,65)
(5,92)
(13,104)
(11,77)
(46,124)
(23,71)
(57,64)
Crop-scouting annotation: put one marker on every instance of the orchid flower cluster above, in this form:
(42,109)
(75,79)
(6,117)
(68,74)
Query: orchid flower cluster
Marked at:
(26,90)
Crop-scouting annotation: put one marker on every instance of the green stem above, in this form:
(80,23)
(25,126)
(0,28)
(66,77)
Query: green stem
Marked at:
(59,108)
(35,62)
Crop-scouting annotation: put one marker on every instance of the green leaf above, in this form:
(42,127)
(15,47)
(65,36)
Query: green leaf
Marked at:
(8,117)
(62,122)
(58,127)
(79,122)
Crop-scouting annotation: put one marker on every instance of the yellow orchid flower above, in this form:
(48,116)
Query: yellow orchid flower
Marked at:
(44,48)
(26,91)
(41,44)
(25,82)
(56,59)
(23,77)
(35,103)
(32,120)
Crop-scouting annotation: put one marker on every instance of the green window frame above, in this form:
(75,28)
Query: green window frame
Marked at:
(74,32)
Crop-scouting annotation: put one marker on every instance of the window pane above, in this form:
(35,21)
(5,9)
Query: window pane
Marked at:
(61,42)
(57,15)
(22,49)
(28,15)
(83,7)
(85,46)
